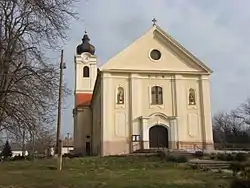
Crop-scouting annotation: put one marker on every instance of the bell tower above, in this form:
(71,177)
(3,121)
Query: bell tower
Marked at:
(85,69)
(85,77)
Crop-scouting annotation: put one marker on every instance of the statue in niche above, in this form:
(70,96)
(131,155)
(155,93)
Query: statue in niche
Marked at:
(120,96)
(191,97)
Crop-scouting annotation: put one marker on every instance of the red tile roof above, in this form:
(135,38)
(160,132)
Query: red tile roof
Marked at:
(83,99)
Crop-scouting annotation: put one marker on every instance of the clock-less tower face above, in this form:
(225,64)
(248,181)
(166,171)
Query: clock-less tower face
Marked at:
(86,71)
(85,58)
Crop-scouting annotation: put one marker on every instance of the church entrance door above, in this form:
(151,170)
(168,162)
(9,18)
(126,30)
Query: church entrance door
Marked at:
(158,137)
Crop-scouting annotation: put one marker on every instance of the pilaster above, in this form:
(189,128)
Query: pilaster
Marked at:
(180,108)
(173,134)
(206,117)
(144,132)
(134,108)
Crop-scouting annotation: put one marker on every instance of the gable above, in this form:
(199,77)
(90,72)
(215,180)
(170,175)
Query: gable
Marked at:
(174,58)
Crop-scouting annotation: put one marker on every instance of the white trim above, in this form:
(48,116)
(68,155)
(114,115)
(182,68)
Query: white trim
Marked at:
(160,106)
(149,55)
(182,49)
(189,106)
(154,71)
(119,106)
(153,77)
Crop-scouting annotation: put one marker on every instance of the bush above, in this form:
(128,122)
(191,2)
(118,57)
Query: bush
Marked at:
(199,154)
(69,155)
(170,158)
(240,183)
(76,155)
(229,157)
(196,166)
(177,159)
(241,157)
(18,158)
(6,152)
(212,156)
(221,156)
(181,159)
(237,167)
(162,154)
(29,157)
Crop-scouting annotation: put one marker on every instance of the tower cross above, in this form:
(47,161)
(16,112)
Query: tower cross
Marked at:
(154,21)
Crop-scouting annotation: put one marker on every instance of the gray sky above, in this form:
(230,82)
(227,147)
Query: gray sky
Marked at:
(217,32)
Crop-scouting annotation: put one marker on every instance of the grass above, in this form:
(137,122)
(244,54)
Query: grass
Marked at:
(113,172)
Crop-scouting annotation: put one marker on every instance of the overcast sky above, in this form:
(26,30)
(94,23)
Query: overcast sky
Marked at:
(215,31)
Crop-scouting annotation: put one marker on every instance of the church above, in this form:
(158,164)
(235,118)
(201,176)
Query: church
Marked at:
(153,94)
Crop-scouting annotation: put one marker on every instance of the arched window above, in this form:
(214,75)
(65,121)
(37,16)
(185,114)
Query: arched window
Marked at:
(120,95)
(191,97)
(156,94)
(86,71)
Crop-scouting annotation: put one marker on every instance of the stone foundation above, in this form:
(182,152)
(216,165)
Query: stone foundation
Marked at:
(195,145)
(124,147)
(115,148)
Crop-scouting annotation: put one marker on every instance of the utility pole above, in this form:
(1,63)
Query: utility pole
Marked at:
(58,133)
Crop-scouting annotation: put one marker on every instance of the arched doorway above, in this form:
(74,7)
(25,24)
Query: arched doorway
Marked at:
(158,137)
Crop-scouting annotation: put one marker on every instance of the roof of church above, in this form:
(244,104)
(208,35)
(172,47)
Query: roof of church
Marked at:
(175,42)
(83,99)
(108,66)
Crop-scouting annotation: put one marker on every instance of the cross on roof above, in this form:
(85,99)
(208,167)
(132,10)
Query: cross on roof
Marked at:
(154,21)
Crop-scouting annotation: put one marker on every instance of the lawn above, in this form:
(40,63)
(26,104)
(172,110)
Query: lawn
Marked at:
(113,172)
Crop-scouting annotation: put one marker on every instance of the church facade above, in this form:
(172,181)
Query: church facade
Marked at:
(153,94)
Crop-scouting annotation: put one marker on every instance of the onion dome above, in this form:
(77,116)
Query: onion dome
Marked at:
(85,46)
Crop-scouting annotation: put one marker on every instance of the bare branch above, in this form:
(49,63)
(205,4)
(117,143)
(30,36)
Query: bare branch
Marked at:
(28,79)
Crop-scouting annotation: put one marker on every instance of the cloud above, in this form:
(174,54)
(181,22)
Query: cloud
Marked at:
(217,32)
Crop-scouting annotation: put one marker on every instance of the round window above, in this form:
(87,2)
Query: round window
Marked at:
(155,54)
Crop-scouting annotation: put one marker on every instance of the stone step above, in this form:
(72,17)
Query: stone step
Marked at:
(148,150)
(210,164)
(161,150)
(213,167)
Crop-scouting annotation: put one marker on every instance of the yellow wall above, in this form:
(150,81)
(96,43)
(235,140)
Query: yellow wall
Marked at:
(121,121)
(96,127)
(82,129)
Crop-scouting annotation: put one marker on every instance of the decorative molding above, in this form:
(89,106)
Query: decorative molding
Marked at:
(161,34)
(120,106)
(153,106)
(151,59)
(83,91)
(152,77)
(195,106)
(193,124)
(154,71)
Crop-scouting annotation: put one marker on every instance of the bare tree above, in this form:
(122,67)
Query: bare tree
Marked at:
(230,129)
(28,79)
(244,112)
(42,140)
(221,126)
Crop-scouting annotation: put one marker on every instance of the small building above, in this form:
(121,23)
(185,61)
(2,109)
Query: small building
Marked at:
(16,150)
(67,145)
